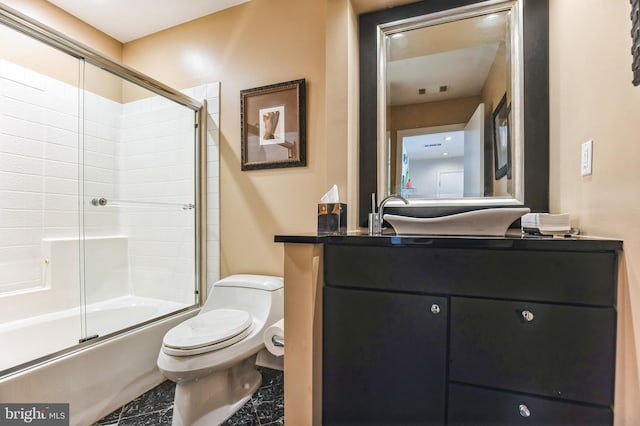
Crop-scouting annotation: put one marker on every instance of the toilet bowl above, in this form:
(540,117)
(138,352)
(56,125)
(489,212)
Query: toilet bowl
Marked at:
(211,357)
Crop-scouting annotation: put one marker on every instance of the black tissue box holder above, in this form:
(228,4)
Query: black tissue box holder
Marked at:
(332,219)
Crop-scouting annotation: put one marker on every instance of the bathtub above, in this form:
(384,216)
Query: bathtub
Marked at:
(46,334)
(97,377)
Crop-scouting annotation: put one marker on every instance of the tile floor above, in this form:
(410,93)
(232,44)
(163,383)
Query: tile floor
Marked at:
(155,407)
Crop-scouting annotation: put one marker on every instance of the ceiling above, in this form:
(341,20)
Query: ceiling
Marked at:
(457,55)
(463,72)
(364,6)
(434,146)
(127,20)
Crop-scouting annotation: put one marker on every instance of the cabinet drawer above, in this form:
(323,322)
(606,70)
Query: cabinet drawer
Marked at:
(560,351)
(545,276)
(475,406)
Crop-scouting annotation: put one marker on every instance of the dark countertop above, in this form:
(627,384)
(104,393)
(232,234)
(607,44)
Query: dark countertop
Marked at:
(513,240)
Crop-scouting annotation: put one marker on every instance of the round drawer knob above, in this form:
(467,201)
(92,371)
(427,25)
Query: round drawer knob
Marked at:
(435,309)
(527,315)
(524,410)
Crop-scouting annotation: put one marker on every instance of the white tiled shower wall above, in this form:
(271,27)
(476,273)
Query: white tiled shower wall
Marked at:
(32,146)
(156,157)
(132,152)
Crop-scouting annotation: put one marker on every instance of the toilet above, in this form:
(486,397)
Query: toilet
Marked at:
(211,356)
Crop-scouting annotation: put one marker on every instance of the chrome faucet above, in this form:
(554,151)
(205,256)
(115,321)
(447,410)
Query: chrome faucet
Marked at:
(377,219)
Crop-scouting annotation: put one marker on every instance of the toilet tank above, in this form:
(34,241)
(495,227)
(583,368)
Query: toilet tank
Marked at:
(259,295)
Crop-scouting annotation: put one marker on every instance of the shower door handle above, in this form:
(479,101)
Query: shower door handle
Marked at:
(101,202)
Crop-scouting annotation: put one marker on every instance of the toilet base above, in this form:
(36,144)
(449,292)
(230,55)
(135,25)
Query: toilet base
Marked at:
(212,399)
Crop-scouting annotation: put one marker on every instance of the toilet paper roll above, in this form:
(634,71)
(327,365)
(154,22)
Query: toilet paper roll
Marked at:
(276,331)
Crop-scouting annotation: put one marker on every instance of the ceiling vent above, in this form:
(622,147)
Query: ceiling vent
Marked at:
(433,89)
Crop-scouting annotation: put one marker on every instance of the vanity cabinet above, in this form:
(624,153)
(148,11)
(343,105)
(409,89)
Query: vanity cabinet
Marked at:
(524,331)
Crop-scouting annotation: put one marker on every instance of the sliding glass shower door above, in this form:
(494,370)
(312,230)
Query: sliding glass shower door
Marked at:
(139,195)
(39,199)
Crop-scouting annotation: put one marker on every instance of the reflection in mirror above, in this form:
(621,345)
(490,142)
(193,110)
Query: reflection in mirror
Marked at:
(443,77)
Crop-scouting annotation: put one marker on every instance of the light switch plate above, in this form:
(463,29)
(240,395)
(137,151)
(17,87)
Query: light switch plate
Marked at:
(586,158)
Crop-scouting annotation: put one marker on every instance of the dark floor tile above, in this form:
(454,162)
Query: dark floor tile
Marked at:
(271,376)
(109,423)
(279,422)
(158,398)
(166,416)
(150,419)
(245,416)
(269,406)
(110,419)
(268,393)
(280,407)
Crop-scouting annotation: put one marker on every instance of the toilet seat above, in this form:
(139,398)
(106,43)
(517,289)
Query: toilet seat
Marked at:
(207,332)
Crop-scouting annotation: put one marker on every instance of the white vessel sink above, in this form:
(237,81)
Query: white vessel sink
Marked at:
(487,222)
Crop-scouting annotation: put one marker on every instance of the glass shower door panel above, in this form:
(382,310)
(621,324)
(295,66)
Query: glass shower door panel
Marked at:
(39,200)
(139,204)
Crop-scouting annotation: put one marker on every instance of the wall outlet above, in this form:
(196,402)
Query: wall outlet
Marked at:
(586,158)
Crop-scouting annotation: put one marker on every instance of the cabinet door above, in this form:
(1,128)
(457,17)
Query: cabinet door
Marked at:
(384,358)
(469,405)
(558,351)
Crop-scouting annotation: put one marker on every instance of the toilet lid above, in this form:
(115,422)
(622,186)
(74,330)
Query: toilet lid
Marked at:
(208,329)
(208,348)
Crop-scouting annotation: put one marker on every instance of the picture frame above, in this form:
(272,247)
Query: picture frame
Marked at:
(635,41)
(502,139)
(273,126)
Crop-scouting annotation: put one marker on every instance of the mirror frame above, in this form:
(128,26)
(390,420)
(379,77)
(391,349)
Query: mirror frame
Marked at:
(535,35)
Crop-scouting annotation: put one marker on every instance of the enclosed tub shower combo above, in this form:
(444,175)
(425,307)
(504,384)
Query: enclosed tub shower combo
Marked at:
(102,219)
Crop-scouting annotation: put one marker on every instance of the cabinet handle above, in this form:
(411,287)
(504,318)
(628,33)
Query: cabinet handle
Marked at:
(435,309)
(527,315)
(524,410)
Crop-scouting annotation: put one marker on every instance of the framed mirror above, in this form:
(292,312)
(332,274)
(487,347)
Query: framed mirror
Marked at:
(454,109)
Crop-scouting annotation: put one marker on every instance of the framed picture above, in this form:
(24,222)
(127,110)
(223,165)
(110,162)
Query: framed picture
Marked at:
(635,40)
(502,139)
(273,126)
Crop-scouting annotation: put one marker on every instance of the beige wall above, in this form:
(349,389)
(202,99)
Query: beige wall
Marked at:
(431,114)
(591,97)
(341,97)
(257,43)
